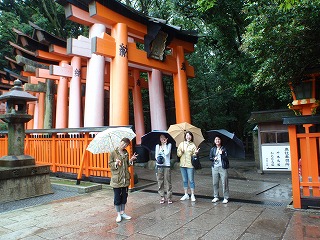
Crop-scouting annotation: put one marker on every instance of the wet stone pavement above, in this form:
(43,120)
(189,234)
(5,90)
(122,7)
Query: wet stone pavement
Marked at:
(259,208)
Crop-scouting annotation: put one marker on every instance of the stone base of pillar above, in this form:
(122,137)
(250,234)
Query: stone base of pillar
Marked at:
(18,183)
(16,161)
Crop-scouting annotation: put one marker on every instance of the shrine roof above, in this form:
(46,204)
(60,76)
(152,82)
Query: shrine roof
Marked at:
(120,8)
(17,50)
(6,76)
(270,116)
(13,75)
(45,37)
(6,81)
(13,64)
(29,42)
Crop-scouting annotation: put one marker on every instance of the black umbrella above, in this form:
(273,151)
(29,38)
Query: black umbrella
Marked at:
(234,145)
(151,139)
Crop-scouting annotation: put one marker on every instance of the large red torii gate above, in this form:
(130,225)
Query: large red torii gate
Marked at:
(39,72)
(120,63)
(126,27)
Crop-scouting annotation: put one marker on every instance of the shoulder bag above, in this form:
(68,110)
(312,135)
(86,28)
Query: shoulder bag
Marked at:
(195,162)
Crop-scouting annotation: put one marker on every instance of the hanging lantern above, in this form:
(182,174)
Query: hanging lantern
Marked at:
(305,95)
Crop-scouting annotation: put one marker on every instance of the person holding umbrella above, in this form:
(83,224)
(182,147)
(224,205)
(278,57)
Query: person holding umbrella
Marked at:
(163,153)
(185,151)
(119,163)
(220,164)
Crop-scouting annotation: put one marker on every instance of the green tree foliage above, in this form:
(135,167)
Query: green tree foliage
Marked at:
(155,8)
(288,4)
(223,94)
(283,44)
(47,14)
(9,18)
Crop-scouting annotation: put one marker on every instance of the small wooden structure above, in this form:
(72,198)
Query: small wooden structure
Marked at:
(271,140)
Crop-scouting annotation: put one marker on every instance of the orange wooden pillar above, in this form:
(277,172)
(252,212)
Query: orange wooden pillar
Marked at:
(75,115)
(181,96)
(156,98)
(119,92)
(62,101)
(30,112)
(94,101)
(40,111)
(294,166)
(36,113)
(119,83)
(137,107)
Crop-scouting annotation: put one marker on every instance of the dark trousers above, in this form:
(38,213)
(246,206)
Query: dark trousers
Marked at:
(120,195)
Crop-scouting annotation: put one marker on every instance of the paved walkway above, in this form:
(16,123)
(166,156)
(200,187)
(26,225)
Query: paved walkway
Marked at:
(258,209)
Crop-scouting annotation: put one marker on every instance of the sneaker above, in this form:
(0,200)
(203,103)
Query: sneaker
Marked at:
(193,198)
(225,200)
(125,216)
(118,219)
(215,200)
(162,201)
(169,201)
(184,197)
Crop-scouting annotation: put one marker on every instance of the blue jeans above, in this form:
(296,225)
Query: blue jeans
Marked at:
(187,175)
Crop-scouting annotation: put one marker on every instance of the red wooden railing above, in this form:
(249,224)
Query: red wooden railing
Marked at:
(65,151)
(304,148)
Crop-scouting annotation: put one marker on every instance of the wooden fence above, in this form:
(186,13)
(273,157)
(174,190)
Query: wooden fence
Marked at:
(65,151)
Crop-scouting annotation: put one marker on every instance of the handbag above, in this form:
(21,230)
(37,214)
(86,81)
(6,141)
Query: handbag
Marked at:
(196,162)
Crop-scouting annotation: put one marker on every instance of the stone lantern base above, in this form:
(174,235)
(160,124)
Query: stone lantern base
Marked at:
(20,182)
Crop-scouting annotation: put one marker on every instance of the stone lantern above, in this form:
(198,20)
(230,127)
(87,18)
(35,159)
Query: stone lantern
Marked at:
(16,116)
(19,176)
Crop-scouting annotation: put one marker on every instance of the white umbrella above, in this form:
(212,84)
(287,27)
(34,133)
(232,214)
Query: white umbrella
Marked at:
(108,140)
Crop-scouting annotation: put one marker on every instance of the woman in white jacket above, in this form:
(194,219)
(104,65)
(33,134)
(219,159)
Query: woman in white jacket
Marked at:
(163,171)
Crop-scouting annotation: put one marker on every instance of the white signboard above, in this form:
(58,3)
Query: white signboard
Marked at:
(276,157)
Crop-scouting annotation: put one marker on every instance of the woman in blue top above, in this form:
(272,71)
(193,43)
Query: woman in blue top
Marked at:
(163,169)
